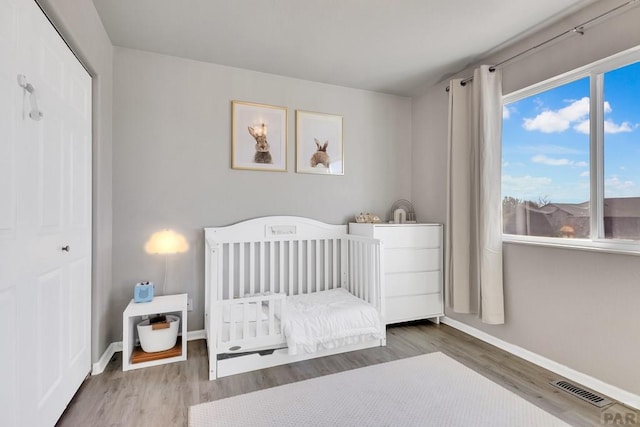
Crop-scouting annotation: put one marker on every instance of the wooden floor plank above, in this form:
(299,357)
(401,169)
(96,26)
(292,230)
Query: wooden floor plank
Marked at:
(161,395)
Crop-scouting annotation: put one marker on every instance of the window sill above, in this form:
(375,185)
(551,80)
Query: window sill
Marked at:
(602,246)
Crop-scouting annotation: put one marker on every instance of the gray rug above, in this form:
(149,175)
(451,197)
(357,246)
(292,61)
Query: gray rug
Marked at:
(428,390)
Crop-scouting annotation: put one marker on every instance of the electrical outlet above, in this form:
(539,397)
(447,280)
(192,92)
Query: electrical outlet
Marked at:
(190,304)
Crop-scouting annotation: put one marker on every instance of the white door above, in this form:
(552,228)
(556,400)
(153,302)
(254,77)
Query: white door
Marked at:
(12,252)
(45,219)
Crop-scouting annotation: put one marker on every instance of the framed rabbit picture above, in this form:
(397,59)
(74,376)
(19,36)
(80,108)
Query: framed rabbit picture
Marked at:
(319,145)
(258,137)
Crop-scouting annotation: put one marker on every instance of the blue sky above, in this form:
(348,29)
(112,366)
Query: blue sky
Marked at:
(545,148)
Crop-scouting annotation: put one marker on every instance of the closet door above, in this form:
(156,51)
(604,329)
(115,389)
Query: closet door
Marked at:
(48,247)
(12,251)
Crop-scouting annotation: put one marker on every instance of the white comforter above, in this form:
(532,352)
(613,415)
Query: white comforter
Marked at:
(328,319)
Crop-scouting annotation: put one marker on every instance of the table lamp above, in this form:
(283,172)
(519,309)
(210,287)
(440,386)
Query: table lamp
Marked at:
(166,242)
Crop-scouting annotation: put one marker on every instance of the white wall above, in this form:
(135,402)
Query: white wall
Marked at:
(81,27)
(577,308)
(171,160)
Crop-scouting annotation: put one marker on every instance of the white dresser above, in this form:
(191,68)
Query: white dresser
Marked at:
(412,268)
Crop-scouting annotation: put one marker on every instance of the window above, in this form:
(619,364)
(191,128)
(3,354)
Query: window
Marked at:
(571,156)
(622,153)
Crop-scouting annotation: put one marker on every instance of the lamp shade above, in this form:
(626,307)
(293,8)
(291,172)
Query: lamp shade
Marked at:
(166,242)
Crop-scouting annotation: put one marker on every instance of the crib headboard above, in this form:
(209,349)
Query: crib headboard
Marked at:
(277,254)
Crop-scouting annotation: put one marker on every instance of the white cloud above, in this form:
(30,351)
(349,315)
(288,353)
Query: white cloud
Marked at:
(574,115)
(611,127)
(537,187)
(617,187)
(550,161)
(541,158)
(582,127)
(560,120)
(617,183)
(524,184)
(585,173)
(505,112)
(552,149)
(546,122)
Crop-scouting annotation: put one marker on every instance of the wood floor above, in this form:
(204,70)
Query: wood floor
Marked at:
(161,395)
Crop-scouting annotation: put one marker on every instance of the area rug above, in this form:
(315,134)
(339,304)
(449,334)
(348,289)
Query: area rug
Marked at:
(427,390)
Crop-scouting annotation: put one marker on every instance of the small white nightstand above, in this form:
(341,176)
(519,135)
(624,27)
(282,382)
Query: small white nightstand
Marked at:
(166,304)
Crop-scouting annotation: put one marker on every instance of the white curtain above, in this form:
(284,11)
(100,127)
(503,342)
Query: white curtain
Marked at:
(473,257)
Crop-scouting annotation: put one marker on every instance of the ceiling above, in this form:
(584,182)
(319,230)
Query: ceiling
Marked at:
(391,46)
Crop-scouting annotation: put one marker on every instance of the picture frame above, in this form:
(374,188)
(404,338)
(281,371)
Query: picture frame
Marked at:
(319,143)
(258,137)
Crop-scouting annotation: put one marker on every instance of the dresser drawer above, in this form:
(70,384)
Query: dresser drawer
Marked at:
(403,284)
(404,260)
(403,309)
(409,236)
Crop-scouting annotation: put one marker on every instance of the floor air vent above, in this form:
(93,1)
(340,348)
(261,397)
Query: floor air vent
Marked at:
(581,393)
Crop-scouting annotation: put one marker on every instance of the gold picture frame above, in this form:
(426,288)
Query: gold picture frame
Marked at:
(258,137)
(319,143)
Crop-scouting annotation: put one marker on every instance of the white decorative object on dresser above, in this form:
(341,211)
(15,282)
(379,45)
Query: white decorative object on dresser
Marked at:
(412,269)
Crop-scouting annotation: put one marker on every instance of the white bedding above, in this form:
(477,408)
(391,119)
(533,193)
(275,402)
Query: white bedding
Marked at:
(328,319)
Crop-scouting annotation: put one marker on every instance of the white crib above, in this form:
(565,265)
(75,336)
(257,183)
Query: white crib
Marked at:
(267,279)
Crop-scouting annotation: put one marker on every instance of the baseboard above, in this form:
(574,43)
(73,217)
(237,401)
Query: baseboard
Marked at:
(101,364)
(196,335)
(622,396)
(114,347)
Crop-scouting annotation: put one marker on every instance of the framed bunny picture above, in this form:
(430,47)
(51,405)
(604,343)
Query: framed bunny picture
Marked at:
(258,137)
(319,145)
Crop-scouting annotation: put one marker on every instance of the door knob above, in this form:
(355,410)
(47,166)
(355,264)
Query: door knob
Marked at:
(65,248)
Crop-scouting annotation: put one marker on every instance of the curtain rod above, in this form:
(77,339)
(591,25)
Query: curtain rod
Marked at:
(578,29)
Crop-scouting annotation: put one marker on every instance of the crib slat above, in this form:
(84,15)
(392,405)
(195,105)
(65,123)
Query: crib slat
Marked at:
(281,270)
(258,319)
(272,266)
(350,272)
(231,270)
(360,269)
(352,267)
(363,261)
(318,286)
(252,268)
(336,269)
(241,270)
(310,247)
(377,296)
(300,267)
(262,279)
(368,270)
(290,247)
(232,323)
(326,264)
(356,270)
(245,320)
(272,316)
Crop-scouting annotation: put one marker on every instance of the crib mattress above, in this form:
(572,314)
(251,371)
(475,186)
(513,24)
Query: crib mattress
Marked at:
(328,319)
